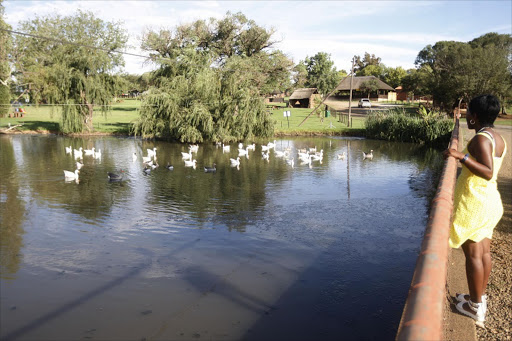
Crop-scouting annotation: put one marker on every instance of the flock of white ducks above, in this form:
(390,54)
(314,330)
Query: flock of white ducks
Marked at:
(305,155)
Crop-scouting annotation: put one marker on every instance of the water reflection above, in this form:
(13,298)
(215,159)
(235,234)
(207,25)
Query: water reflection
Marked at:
(255,240)
(12,210)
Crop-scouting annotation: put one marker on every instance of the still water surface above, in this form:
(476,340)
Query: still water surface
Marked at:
(263,252)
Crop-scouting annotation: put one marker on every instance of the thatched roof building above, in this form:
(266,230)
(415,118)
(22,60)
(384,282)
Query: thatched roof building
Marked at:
(358,81)
(383,93)
(303,98)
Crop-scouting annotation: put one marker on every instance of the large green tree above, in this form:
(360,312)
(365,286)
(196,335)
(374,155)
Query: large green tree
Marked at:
(362,63)
(75,67)
(5,70)
(210,78)
(321,73)
(463,70)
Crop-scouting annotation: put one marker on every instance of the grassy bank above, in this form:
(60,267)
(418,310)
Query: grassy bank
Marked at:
(119,119)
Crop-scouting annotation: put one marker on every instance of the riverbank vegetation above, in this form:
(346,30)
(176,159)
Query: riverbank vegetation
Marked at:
(422,126)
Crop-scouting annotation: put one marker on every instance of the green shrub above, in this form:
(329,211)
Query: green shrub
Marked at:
(5,97)
(425,127)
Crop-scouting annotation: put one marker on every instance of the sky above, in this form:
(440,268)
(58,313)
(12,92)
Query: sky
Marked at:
(395,31)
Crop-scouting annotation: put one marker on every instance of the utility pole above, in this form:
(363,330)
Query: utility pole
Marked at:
(350,98)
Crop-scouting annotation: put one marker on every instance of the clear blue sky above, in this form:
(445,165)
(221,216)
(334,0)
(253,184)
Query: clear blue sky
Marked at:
(395,31)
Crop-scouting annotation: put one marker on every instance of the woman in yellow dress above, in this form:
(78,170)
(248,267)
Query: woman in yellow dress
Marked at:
(477,202)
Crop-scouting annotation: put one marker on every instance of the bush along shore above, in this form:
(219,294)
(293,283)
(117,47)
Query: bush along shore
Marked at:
(425,126)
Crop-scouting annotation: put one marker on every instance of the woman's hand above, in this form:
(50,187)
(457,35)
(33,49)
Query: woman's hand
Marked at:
(452,152)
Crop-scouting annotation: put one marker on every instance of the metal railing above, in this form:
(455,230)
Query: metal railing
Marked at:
(422,318)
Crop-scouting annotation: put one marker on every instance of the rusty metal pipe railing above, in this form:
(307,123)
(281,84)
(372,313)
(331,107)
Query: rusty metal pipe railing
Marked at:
(422,318)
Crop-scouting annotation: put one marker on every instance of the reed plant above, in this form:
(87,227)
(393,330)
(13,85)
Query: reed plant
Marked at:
(423,126)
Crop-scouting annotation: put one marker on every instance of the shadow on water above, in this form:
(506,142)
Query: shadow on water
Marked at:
(30,326)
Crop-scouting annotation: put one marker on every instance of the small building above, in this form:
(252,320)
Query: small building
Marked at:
(384,93)
(304,98)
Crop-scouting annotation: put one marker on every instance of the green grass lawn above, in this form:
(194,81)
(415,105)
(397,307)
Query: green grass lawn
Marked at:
(118,120)
(47,118)
(316,123)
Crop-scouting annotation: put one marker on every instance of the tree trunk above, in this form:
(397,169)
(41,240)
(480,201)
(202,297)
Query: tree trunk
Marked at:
(88,118)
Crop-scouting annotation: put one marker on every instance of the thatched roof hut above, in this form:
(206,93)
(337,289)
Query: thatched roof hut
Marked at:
(303,98)
(358,81)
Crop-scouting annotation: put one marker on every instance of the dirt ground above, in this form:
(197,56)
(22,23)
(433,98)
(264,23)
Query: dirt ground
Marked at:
(499,312)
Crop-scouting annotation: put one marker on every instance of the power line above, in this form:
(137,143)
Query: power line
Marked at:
(77,44)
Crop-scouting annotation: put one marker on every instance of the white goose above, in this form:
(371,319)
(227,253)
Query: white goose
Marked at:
(240,145)
(89,151)
(78,153)
(265,156)
(187,156)
(235,162)
(189,163)
(251,146)
(194,148)
(242,152)
(271,144)
(342,156)
(134,157)
(368,155)
(79,165)
(264,148)
(146,159)
(97,155)
(225,148)
(151,152)
(71,175)
(69,150)
(312,150)
(290,162)
(281,153)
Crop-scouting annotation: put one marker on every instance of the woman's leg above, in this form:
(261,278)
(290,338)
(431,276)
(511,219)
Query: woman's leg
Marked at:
(475,270)
(487,262)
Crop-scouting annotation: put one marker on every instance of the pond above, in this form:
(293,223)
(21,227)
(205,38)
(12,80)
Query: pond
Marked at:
(263,251)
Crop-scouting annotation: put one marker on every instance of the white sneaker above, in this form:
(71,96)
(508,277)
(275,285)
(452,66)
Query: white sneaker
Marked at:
(476,310)
(462,298)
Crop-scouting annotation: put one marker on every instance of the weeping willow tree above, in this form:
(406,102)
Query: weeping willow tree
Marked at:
(210,81)
(73,68)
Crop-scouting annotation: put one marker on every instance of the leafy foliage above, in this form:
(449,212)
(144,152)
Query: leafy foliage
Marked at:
(209,84)
(368,60)
(370,85)
(5,72)
(463,70)
(321,73)
(77,76)
(426,127)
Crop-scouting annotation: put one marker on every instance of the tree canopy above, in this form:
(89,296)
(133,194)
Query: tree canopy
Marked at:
(463,70)
(321,73)
(63,70)
(210,79)
(5,69)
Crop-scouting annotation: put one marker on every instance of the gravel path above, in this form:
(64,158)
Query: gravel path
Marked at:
(499,311)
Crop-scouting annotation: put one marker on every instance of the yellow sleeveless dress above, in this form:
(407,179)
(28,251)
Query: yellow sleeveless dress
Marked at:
(477,203)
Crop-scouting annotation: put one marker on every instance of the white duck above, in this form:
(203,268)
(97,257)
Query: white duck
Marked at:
(189,163)
(71,175)
(89,151)
(290,162)
(240,145)
(235,162)
(194,148)
(342,156)
(187,156)
(97,155)
(79,165)
(69,150)
(251,146)
(265,156)
(242,152)
(225,148)
(368,155)
(151,152)
(281,153)
(78,153)
(264,148)
(134,157)
(271,144)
